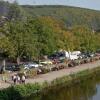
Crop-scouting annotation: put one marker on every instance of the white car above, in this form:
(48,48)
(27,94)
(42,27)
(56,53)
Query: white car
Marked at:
(32,65)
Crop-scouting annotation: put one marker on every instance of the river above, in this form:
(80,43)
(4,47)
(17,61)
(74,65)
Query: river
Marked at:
(86,90)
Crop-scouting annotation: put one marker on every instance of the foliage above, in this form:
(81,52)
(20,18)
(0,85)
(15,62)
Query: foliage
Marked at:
(19,91)
(71,16)
(6,47)
(31,73)
(23,36)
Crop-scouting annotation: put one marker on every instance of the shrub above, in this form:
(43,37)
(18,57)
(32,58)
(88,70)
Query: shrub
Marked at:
(31,73)
(19,91)
(27,89)
(10,94)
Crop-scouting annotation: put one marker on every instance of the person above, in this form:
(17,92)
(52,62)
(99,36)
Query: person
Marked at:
(1,70)
(4,78)
(23,79)
(14,79)
(25,74)
(40,71)
(18,79)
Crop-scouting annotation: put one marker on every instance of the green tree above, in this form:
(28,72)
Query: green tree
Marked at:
(22,39)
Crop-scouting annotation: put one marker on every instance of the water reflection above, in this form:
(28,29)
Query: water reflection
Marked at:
(87,90)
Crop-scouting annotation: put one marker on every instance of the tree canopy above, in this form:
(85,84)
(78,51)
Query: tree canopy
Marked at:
(31,37)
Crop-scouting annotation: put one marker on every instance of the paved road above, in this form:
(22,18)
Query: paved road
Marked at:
(57,74)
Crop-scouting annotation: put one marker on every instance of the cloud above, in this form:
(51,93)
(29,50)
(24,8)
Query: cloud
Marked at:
(9,1)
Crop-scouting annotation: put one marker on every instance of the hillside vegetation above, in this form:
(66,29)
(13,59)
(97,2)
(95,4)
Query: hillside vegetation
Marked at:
(70,15)
(34,31)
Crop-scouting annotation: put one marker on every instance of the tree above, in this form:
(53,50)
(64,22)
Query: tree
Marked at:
(44,36)
(22,39)
(6,50)
(86,38)
(16,12)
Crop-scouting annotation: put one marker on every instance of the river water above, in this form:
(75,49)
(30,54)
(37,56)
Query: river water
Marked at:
(86,90)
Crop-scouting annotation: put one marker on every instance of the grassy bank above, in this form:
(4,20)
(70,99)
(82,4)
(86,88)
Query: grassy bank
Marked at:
(18,92)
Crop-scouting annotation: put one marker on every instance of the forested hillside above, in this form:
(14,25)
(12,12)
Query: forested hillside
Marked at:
(34,31)
(70,15)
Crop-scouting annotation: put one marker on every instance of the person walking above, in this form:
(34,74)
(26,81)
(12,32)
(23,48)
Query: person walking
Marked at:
(18,79)
(14,79)
(23,79)
(25,74)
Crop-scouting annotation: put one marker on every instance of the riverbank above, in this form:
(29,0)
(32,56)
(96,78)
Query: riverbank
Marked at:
(55,74)
(64,72)
(75,75)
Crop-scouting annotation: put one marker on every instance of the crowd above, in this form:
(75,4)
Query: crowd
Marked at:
(18,79)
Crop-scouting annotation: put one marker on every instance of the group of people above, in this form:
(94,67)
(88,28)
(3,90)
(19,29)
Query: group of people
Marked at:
(18,79)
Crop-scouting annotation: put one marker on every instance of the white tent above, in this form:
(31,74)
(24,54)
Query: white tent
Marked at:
(72,55)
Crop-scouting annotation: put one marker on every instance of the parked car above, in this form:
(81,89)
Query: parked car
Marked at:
(46,62)
(87,55)
(57,55)
(13,67)
(31,65)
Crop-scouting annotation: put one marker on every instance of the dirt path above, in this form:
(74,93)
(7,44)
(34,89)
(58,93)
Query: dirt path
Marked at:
(56,74)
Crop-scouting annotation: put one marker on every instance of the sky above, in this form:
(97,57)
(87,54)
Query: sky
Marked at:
(92,4)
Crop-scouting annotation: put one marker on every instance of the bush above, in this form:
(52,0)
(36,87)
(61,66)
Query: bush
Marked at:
(45,70)
(27,89)
(19,91)
(31,73)
(10,94)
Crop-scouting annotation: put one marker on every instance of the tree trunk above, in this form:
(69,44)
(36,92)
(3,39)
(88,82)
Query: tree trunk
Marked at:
(18,60)
(4,65)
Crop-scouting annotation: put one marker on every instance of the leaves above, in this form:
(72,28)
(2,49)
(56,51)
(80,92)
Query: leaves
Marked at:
(35,37)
